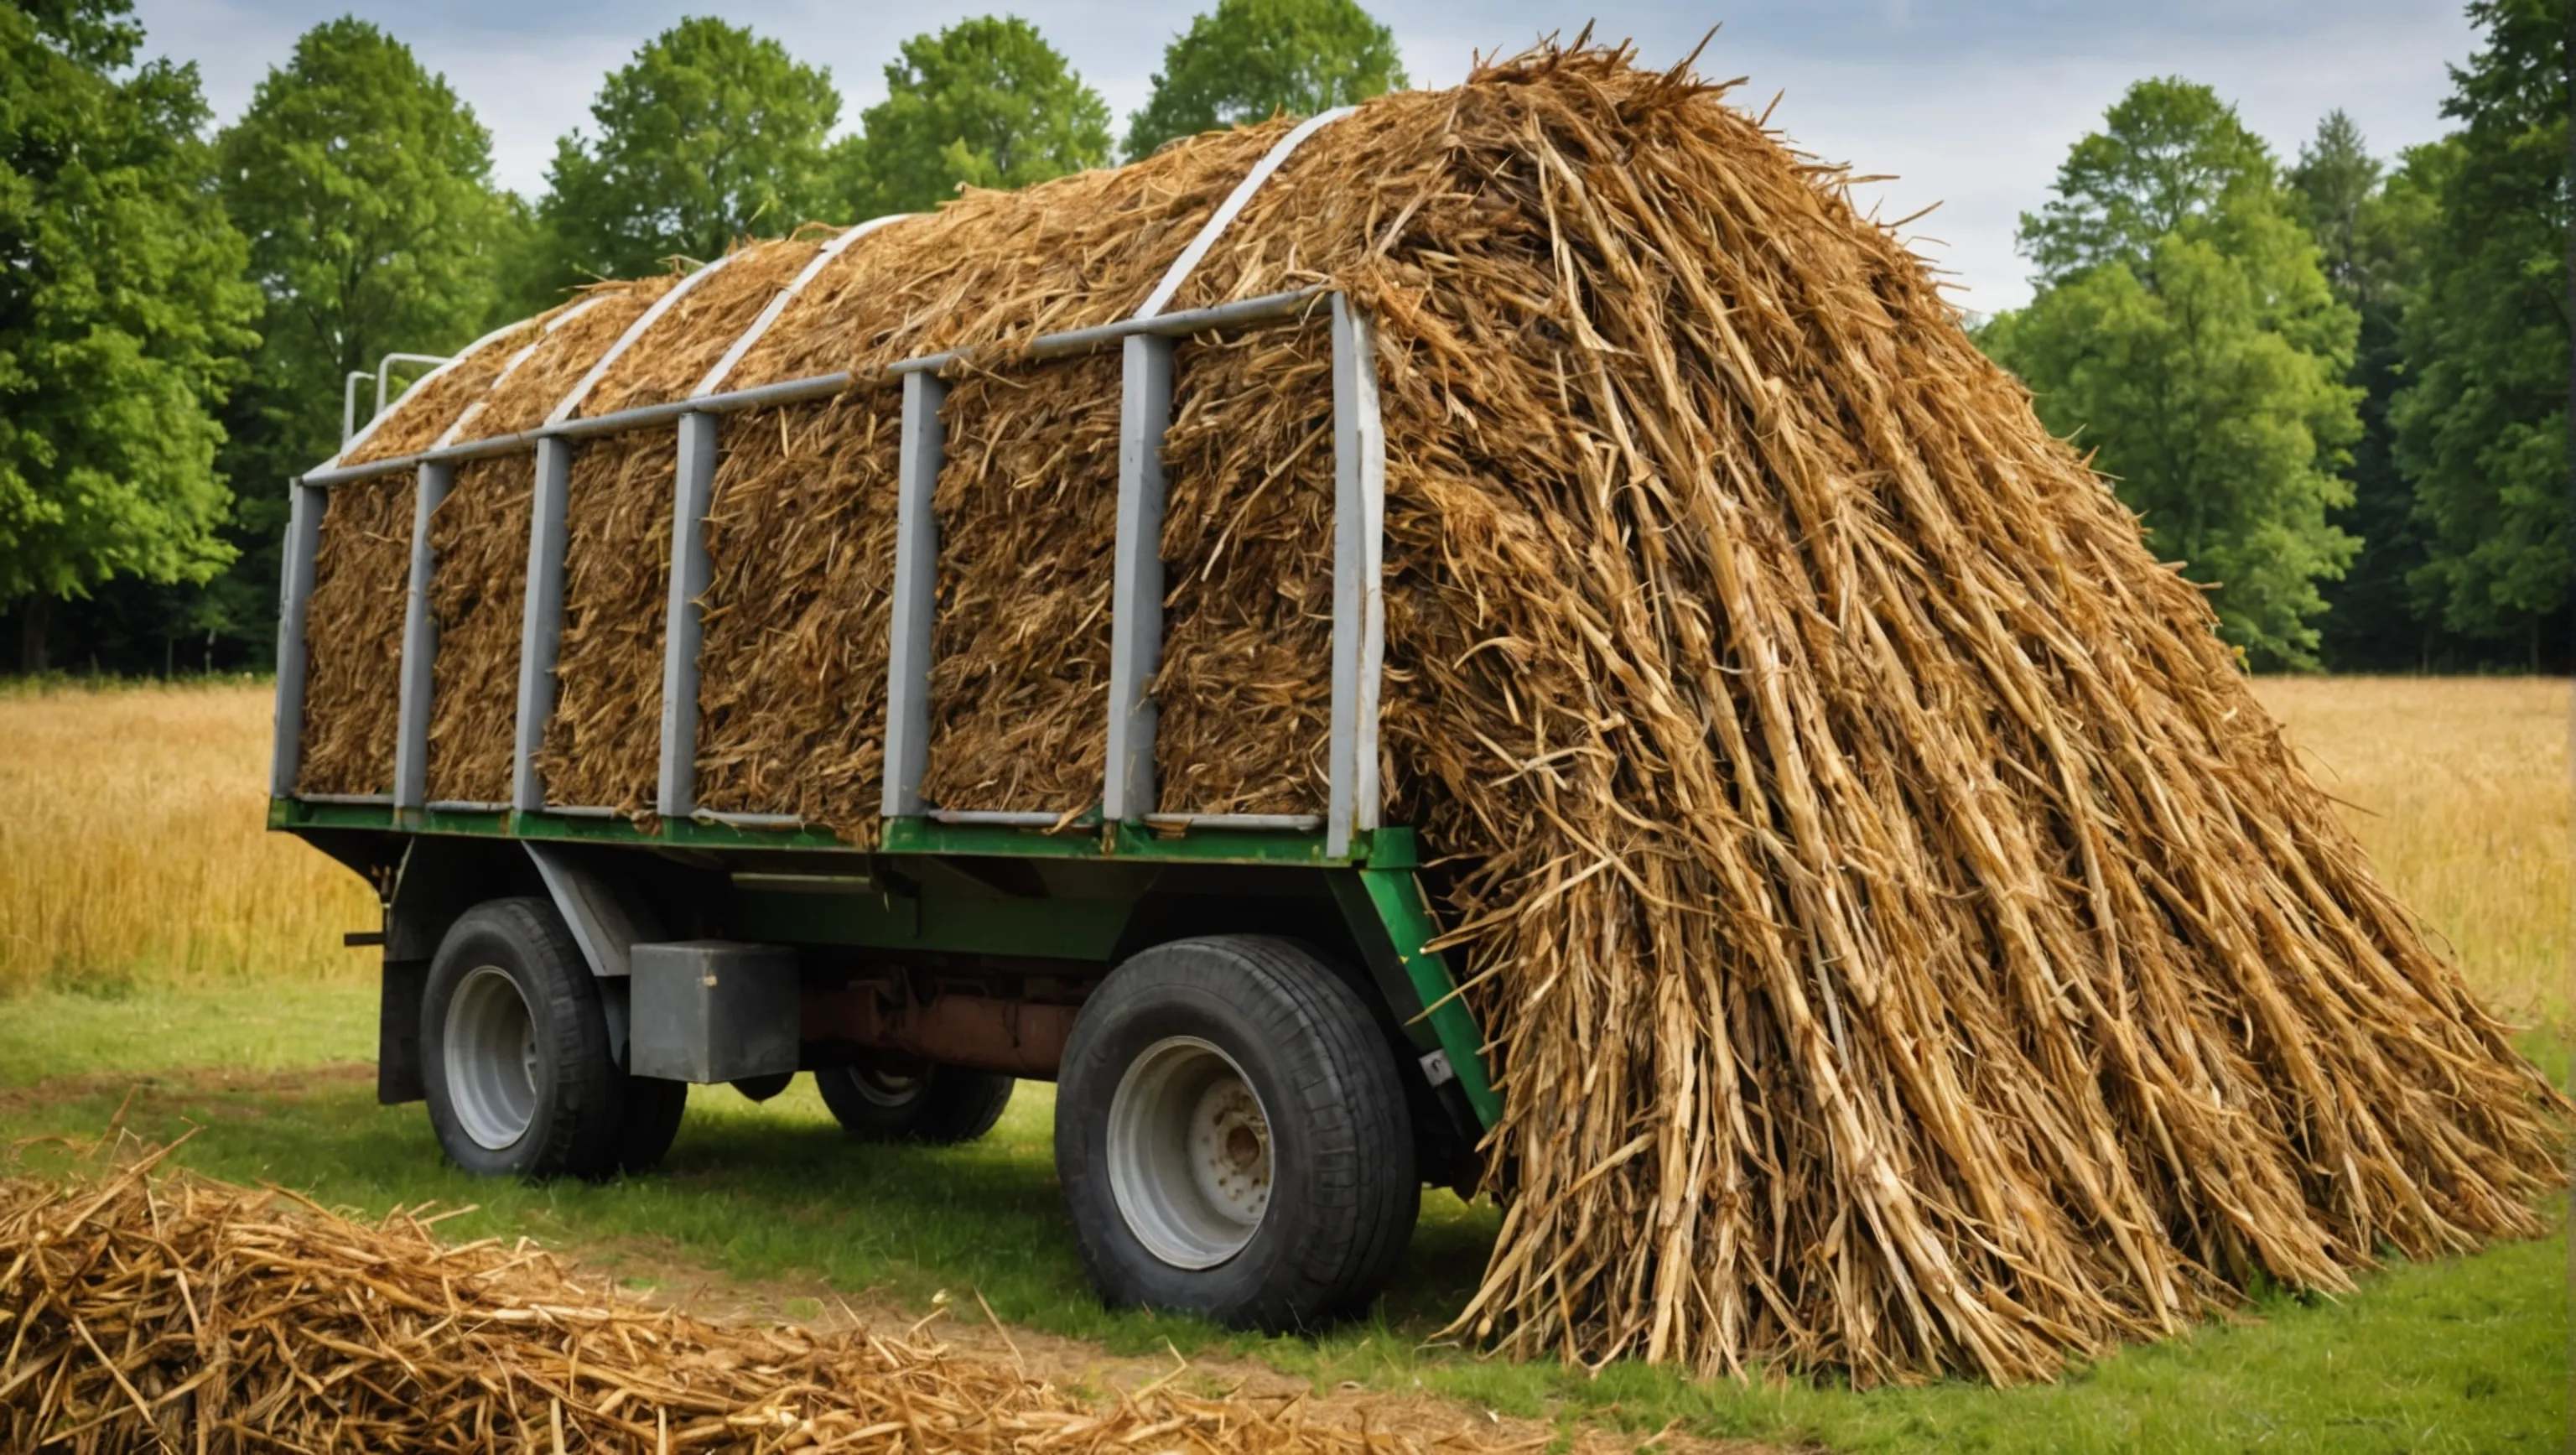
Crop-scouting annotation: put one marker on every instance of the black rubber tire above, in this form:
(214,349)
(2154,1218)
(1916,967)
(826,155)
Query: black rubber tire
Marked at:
(764,1088)
(654,1110)
(1343,1190)
(944,1105)
(592,1119)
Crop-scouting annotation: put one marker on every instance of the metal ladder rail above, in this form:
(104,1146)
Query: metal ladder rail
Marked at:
(1358,644)
(419,646)
(305,504)
(1145,417)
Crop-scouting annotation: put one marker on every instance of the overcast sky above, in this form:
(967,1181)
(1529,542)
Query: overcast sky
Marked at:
(1971,103)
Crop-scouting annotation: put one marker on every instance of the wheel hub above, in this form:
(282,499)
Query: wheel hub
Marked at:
(1190,1159)
(489,1046)
(886,1088)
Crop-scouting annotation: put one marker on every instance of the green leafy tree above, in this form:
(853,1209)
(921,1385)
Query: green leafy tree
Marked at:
(2370,225)
(985,103)
(1248,59)
(2333,186)
(364,187)
(709,135)
(2169,155)
(2481,428)
(2185,332)
(122,314)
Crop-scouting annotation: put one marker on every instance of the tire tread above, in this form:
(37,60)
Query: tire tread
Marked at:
(1360,1199)
(602,1120)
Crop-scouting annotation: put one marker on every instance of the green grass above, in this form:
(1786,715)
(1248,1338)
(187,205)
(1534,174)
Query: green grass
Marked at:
(127,1027)
(2465,1354)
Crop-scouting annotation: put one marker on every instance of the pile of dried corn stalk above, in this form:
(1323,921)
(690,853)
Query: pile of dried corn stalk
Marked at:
(1907,943)
(177,1313)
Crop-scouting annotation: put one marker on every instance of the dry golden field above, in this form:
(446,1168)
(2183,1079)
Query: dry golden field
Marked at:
(131,846)
(2459,789)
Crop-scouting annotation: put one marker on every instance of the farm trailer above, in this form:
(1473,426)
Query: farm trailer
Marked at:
(1260,1060)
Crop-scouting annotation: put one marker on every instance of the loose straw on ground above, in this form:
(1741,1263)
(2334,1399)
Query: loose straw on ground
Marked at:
(168,1311)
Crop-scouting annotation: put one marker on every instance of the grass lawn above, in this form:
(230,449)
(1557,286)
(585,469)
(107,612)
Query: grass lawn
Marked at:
(2466,1354)
(150,932)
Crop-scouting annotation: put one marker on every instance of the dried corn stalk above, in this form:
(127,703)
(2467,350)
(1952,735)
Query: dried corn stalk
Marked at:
(353,623)
(1908,945)
(179,1313)
(478,599)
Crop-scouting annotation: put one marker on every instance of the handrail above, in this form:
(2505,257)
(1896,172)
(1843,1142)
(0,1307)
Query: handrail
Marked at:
(1129,791)
(348,401)
(1263,309)
(349,404)
(745,341)
(1234,203)
(385,368)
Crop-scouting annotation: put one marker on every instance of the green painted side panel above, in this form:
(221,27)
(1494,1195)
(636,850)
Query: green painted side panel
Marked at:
(1090,839)
(680,833)
(1397,896)
(289,813)
(1074,929)
(1390,848)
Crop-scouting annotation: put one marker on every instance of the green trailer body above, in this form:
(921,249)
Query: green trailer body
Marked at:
(806,886)
(554,974)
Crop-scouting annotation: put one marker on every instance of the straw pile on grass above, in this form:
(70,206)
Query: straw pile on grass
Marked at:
(179,1313)
(1908,945)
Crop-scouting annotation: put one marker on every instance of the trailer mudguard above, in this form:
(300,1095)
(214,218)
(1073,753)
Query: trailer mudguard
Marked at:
(607,916)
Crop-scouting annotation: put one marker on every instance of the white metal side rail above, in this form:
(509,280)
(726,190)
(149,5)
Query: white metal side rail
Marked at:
(1128,793)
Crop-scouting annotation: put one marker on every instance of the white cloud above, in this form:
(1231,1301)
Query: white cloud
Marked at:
(1970,105)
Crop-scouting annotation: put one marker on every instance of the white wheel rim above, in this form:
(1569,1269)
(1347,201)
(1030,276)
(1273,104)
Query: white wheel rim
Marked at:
(887,1089)
(490,1047)
(1189,1153)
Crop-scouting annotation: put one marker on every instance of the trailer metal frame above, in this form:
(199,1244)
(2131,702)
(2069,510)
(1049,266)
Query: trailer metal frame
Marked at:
(1370,867)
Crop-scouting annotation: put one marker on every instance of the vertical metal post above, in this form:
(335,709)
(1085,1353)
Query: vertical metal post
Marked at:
(916,594)
(541,624)
(419,645)
(305,504)
(1368,430)
(349,404)
(692,490)
(1136,601)
(1359,617)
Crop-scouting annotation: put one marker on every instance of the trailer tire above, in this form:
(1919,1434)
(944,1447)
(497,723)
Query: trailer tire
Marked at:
(516,1055)
(654,1111)
(1232,1137)
(928,1105)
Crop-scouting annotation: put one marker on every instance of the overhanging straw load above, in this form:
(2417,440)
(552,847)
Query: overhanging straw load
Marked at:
(1907,943)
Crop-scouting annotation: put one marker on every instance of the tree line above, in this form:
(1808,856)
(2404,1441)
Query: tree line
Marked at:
(2334,387)
(181,304)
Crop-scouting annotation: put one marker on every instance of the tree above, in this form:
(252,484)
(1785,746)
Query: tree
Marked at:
(709,135)
(2481,429)
(2370,225)
(984,103)
(1248,59)
(122,313)
(364,187)
(2203,363)
(2333,187)
(2169,153)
